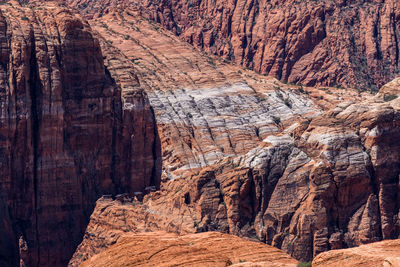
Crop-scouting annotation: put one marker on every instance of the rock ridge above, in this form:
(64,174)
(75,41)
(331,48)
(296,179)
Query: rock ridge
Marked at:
(330,43)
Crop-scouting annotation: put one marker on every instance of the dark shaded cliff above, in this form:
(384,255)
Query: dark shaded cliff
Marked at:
(68,133)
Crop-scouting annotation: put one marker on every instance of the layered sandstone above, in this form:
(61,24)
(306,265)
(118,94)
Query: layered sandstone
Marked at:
(165,249)
(67,136)
(206,109)
(349,43)
(384,253)
(328,182)
(205,249)
(304,169)
(112,219)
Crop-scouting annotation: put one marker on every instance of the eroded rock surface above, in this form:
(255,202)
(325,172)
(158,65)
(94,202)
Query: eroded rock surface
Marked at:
(65,132)
(304,169)
(350,43)
(206,109)
(203,249)
(331,182)
(384,253)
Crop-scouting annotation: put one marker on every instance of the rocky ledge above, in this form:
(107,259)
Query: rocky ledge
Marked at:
(384,253)
(118,235)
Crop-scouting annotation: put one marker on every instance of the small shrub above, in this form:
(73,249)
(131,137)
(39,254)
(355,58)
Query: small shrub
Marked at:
(276,120)
(388,98)
(24,18)
(279,94)
(304,264)
(211,61)
(261,98)
(288,103)
(286,233)
(127,37)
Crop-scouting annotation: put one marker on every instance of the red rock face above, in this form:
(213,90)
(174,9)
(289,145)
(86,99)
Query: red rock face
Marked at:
(323,177)
(332,182)
(201,249)
(63,136)
(349,43)
(242,153)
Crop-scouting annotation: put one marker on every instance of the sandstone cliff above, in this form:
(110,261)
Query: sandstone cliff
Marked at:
(118,234)
(205,249)
(206,109)
(70,131)
(328,182)
(304,169)
(348,43)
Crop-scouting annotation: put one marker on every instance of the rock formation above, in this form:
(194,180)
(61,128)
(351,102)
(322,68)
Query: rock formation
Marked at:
(384,253)
(326,183)
(304,169)
(205,249)
(118,234)
(70,131)
(348,43)
(206,109)
(112,219)
(130,108)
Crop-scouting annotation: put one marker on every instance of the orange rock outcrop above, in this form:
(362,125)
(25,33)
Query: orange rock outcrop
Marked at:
(384,253)
(203,249)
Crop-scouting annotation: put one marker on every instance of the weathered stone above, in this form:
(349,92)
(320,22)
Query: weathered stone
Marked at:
(247,155)
(203,249)
(62,132)
(384,253)
(327,43)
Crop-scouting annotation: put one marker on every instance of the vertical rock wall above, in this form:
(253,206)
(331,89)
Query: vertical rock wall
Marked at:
(62,133)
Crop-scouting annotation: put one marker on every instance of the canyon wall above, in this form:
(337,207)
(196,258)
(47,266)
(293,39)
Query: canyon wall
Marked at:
(331,43)
(324,183)
(304,169)
(66,133)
